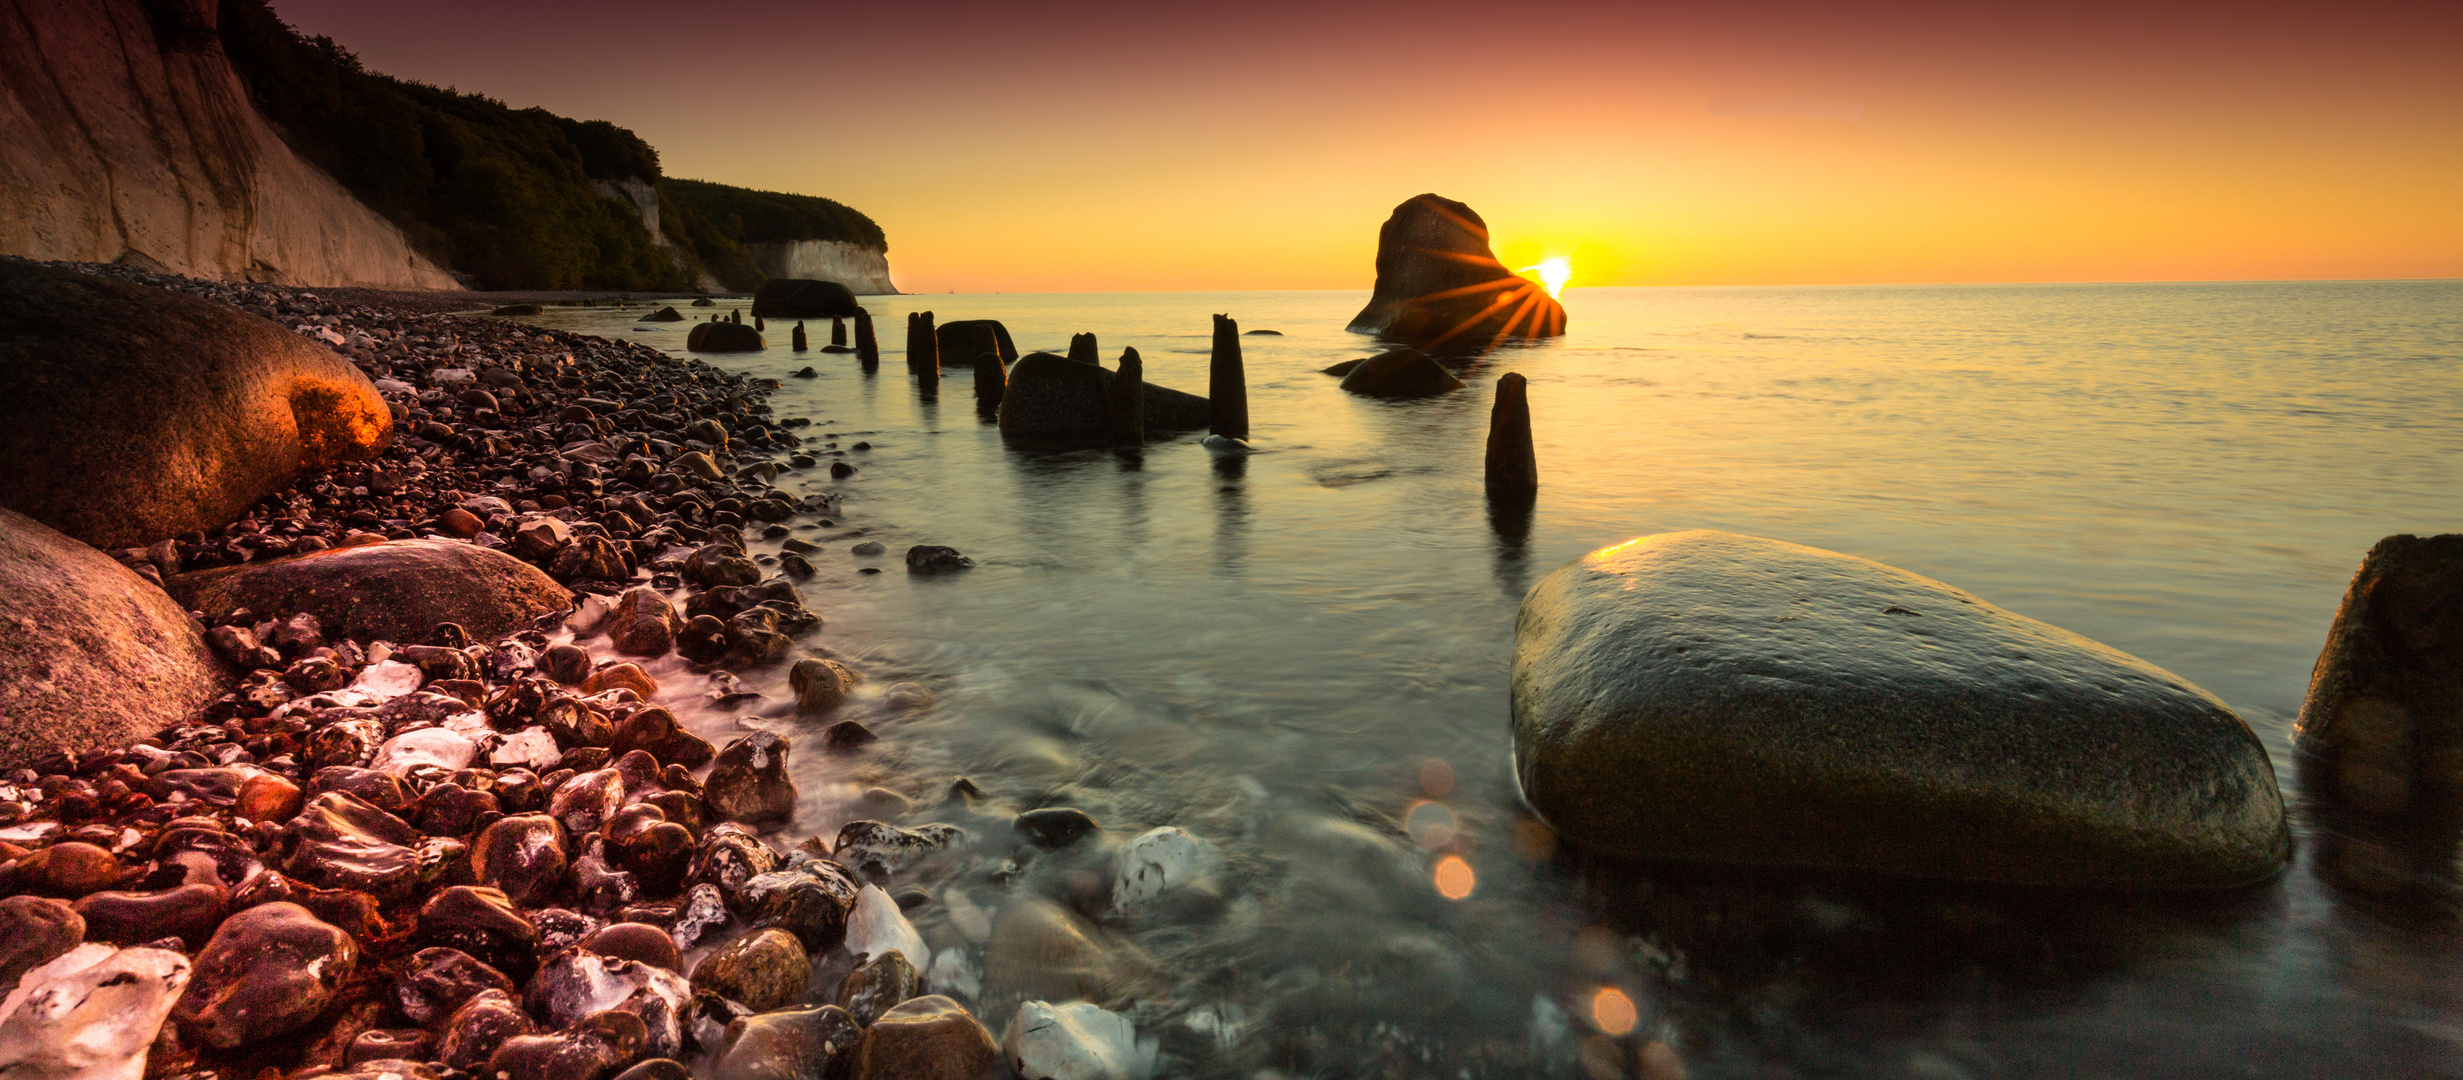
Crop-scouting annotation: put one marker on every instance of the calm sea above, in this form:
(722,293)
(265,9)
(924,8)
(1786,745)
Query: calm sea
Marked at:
(1302,656)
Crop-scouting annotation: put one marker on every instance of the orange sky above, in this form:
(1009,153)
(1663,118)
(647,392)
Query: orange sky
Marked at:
(1121,147)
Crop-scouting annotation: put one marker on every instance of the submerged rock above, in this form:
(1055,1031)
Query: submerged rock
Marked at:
(396,591)
(1076,1041)
(1156,865)
(749,781)
(878,986)
(927,1038)
(1703,695)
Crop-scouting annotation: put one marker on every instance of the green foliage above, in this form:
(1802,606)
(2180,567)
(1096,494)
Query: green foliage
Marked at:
(506,195)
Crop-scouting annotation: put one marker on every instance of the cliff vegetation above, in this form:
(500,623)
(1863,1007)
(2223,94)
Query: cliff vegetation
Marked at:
(512,198)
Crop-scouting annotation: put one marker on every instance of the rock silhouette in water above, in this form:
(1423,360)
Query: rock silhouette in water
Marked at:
(990,380)
(1051,399)
(724,337)
(2383,718)
(1402,372)
(838,331)
(800,341)
(1440,288)
(802,298)
(867,348)
(1227,392)
(1512,468)
(759,325)
(964,339)
(1082,349)
(1125,400)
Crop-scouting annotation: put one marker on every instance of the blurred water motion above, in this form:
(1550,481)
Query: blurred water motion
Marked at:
(1288,669)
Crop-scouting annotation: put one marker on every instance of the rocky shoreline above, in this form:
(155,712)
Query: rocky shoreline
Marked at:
(487,844)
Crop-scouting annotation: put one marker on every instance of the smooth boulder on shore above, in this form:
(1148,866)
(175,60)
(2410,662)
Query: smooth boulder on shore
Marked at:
(130,414)
(397,591)
(91,655)
(1400,373)
(1439,287)
(724,337)
(2384,711)
(1708,696)
(802,298)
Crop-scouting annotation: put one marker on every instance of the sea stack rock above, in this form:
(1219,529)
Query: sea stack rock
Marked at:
(838,330)
(1512,468)
(1707,696)
(1082,348)
(2384,713)
(801,342)
(1126,400)
(130,414)
(1440,288)
(966,339)
(724,337)
(1227,393)
(802,298)
(867,347)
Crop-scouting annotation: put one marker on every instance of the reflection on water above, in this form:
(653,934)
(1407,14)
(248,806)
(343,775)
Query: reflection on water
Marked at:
(1301,656)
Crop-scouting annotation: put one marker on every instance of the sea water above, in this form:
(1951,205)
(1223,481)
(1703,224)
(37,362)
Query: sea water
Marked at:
(1302,656)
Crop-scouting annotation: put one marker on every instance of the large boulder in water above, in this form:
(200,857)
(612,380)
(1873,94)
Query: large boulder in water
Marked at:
(91,655)
(130,414)
(1707,696)
(2384,712)
(965,339)
(724,337)
(1400,373)
(395,591)
(1440,288)
(1053,399)
(1173,410)
(803,298)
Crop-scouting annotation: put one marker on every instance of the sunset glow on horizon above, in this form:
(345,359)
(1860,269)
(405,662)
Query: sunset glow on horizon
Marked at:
(1112,147)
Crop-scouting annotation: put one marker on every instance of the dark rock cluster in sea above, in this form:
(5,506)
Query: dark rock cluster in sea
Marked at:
(425,811)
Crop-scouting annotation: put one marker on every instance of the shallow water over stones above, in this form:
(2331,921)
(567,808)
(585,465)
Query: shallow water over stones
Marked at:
(1300,657)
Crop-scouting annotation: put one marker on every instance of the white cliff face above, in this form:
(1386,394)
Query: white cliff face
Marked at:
(861,269)
(117,143)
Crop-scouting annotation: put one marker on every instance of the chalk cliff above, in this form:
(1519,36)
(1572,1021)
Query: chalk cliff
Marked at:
(125,135)
(863,270)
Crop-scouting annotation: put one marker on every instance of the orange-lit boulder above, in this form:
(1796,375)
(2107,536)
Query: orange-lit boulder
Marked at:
(91,655)
(130,414)
(1441,289)
(398,591)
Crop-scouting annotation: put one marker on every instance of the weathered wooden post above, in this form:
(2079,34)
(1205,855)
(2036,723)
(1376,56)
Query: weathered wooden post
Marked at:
(867,348)
(1512,469)
(1082,349)
(924,346)
(991,381)
(838,331)
(801,342)
(1227,391)
(1127,403)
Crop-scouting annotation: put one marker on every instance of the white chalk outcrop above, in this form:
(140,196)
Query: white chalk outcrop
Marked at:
(864,271)
(125,136)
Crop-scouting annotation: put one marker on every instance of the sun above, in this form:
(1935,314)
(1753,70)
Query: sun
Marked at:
(1554,272)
